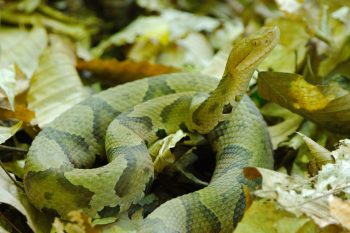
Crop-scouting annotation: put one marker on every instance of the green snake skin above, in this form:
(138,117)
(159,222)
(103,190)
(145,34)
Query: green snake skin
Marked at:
(62,171)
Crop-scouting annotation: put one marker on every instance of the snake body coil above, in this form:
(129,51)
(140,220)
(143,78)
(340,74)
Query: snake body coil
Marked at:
(61,173)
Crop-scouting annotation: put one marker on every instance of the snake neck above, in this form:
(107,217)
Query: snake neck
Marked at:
(244,58)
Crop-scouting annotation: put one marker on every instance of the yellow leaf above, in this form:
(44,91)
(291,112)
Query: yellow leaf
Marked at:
(291,50)
(281,131)
(21,113)
(306,96)
(327,105)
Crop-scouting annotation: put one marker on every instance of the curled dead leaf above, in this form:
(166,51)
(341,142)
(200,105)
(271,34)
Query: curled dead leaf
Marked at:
(251,173)
(114,72)
(327,105)
(21,113)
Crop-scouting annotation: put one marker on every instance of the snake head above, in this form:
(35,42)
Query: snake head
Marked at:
(245,56)
(252,50)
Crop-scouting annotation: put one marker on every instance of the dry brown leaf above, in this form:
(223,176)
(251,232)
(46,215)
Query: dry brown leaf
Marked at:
(112,71)
(21,113)
(340,210)
(293,193)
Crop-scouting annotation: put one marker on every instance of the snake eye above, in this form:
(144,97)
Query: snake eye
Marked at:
(227,109)
(161,133)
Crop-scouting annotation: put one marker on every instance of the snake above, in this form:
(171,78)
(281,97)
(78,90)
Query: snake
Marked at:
(95,158)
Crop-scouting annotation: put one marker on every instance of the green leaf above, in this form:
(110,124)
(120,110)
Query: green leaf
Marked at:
(291,50)
(321,154)
(192,51)
(312,155)
(56,85)
(168,27)
(327,105)
(3,230)
(291,6)
(7,132)
(308,128)
(281,131)
(55,21)
(161,150)
(154,5)
(174,38)
(22,48)
(223,36)
(164,157)
(143,27)
(335,56)
(8,83)
(9,194)
(341,14)
(28,5)
(217,64)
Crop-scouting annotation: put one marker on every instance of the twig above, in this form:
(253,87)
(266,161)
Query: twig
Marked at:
(9,175)
(13,148)
(9,222)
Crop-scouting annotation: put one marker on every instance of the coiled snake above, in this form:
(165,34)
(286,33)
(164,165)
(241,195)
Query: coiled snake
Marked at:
(118,124)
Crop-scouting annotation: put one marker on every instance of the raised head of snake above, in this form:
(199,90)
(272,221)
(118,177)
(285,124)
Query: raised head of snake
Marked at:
(245,56)
(63,170)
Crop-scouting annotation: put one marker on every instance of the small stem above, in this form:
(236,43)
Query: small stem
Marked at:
(252,90)
(319,35)
(9,175)
(9,222)
(13,149)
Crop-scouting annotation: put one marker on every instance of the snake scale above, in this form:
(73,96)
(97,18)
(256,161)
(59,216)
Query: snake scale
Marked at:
(119,124)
